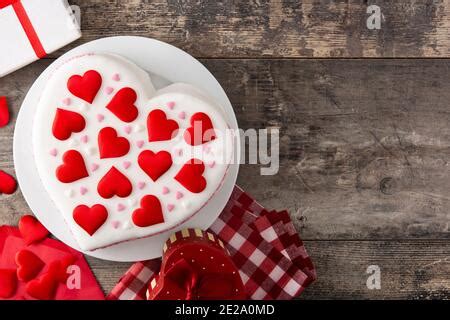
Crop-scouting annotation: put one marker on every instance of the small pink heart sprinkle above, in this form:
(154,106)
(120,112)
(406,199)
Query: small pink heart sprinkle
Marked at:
(171,105)
(67,101)
(182,115)
(140,143)
(120,207)
(212,164)
(126,164)
(170,207)
(83,190)
(100,117)
(94,167)
(84,139)
(165,190)
(53,152)
(127,129)
(179,195)
(116,77)
(141,185)
(109,90)
(115,224)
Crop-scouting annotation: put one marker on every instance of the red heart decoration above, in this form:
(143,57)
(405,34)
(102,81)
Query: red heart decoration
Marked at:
(90,219)
(201,130)
(7,183)
(43,288)
(155,164)
(73,167)
(32,230)
(66,122)
(149,213)
(114,183)
(85,87)
(122,105)
(4,112)
(29,265)
(110,145)
(190,176)
(8,283)
(159,128)
(59,268)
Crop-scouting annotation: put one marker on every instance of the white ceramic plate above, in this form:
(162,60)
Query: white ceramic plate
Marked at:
(167,64)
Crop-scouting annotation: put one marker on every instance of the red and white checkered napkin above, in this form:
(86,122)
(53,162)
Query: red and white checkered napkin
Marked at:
(264,245)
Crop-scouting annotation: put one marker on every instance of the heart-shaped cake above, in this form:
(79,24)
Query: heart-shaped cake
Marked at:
(121,160)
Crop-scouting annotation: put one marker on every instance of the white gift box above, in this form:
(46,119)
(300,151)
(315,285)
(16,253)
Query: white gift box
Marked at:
(30,29)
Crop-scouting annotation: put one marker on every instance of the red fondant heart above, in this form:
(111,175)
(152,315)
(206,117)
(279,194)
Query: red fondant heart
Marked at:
(149,213)
(122,105)
(114,183)
(159,127)
(190,176)
(73,167)
(66,122)
(28,265)
(32,230)
(110,145)
(155,164)
(59,267)
(4,112)
(43,288)
(8,283)
(85,87)
(90,219)
(7,183)
(201,130)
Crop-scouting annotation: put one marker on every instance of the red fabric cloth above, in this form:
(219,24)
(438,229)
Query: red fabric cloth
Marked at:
(270,256)
(48,250)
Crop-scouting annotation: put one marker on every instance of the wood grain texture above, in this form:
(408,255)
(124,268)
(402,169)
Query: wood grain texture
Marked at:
(409,269)
(364,154)
(275,28)
(364,144)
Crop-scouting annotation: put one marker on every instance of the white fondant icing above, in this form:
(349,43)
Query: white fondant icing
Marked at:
(139,128)
(69,193)
(84,107)
(73,142)
(90,151)
(183,97)
(128,225)
(133,202)
(185,204)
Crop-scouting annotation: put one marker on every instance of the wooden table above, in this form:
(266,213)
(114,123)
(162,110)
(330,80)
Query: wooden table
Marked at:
(364,143)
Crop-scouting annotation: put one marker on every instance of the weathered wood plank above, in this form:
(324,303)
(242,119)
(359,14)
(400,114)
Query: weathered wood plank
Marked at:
(423,273)
(364,144)
(409,269)
(276,28)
